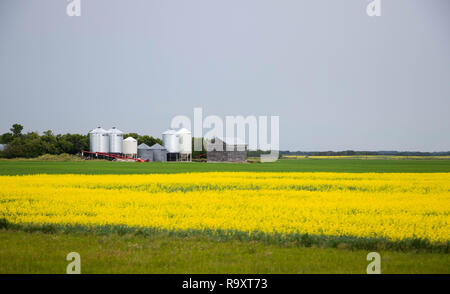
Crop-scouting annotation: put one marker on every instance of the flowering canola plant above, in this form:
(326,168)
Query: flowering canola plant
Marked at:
(389,205)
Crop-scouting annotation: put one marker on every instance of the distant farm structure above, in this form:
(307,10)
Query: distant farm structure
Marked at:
(226,150)
(110,144)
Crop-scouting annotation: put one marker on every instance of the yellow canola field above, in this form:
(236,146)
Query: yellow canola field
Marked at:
(391,205)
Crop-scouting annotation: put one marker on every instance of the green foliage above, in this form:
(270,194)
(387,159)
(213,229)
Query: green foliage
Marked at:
(133,135)
(6,138)
(149,140)
(16,130)
(32,145)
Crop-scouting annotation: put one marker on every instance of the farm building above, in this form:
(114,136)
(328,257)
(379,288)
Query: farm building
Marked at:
(111,145)
(144,152)
(2,147)
(159,153)
(226,150)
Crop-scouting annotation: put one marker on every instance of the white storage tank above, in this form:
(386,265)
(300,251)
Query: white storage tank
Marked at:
(99,140)
(130,147)
(170,141)
(115,140)
(185,143)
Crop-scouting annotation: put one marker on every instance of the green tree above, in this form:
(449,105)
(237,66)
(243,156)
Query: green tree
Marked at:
(72,143)
(49,142)
(29,145)
(133,135)
(16,130)
(6,138)
(149,140)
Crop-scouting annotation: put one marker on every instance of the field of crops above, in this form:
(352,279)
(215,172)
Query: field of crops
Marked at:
(391,206)
(292,216)
(92,167)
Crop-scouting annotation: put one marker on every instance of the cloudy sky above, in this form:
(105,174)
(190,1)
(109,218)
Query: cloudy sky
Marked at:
(337,78)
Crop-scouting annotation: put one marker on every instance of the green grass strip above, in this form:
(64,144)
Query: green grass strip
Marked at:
(284,240)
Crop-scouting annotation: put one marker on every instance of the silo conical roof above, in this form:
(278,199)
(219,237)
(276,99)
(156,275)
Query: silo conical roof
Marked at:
(114,130)
(157,147)
(98,130)
(130,139)
(169,132)
(144,146)
(184,131)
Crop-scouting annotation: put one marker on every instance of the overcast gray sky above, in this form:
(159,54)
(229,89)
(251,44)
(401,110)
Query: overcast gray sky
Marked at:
(337,78)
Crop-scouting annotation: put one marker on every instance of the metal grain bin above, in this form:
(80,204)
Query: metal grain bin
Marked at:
(99,139)
(115,140)
(185,143)
(170,141)
(129,147)
(144,152)
(159,152)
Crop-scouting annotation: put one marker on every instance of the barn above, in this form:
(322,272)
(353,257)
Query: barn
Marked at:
(226,150)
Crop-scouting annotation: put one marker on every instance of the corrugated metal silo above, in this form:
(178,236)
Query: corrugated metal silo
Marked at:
(170,141)
(144,152)
(99,140)
(159,152)
(115,140)
(130,147)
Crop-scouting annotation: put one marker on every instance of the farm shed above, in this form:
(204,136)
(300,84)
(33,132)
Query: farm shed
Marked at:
(226,150)
(159,152)
(144,152)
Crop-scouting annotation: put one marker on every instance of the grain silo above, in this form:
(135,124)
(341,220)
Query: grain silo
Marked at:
(159,152)
(144,152)
(115,140)
(171,143)
(185,143)
(99,140)
(130,147)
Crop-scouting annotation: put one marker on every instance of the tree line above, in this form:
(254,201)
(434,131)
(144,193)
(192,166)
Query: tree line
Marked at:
(32,144)
(364,153)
